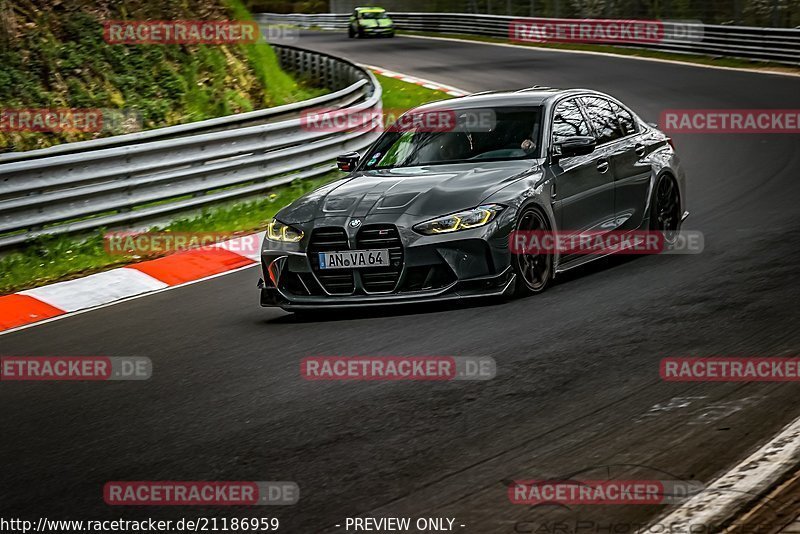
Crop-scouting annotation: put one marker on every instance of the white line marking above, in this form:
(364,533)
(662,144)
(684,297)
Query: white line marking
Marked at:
(96,289)
(729,493)
(609,54)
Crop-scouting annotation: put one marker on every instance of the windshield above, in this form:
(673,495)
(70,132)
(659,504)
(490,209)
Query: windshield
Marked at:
(451,136)
(373,15)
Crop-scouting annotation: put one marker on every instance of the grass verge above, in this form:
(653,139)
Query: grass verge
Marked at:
(55,258)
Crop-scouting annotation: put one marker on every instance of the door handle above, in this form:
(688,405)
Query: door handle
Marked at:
(602,166)
(640,149)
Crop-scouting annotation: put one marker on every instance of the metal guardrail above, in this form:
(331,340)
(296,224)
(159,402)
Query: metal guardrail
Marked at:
(763,44)
(131,179)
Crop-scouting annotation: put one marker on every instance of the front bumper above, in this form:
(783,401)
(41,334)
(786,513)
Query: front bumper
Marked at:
(378,31)
(496,285)
(474,263)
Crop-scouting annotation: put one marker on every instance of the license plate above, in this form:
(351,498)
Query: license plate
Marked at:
(354,259)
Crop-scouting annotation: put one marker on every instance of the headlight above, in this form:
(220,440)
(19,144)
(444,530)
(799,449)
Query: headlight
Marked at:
(463,220)
(277,231)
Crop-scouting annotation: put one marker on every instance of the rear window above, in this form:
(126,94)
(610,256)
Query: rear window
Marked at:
(604,120)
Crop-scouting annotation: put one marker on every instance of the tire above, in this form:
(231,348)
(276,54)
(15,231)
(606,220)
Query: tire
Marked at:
(665,209)
(534,271)
(350,32)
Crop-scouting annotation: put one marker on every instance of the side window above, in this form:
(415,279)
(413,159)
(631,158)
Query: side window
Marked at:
(568,121)
(606,126)
(625,119)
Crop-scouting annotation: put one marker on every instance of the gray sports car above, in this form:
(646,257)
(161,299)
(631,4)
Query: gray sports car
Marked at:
(428,211)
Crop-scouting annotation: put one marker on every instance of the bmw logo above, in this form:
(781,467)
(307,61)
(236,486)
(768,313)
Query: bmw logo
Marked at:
(355,223)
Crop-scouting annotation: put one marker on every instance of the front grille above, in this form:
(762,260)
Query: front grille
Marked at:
(328,239)
(379,236)
(336,282)
(370,237)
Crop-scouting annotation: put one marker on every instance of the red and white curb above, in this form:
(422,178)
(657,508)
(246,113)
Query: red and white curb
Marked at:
(57,300)
(428,84)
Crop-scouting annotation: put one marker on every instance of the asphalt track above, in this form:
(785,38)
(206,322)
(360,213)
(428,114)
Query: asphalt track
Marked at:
(577,390)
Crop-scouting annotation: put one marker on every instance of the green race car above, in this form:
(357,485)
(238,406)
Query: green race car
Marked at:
(370,21)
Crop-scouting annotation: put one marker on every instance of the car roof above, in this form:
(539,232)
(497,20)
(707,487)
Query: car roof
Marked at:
(368,9)
(531,96)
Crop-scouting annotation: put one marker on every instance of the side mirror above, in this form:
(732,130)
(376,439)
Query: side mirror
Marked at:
(347,162)
(573,146)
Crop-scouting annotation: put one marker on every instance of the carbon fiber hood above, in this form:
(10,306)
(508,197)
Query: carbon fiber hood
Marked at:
(418,191)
